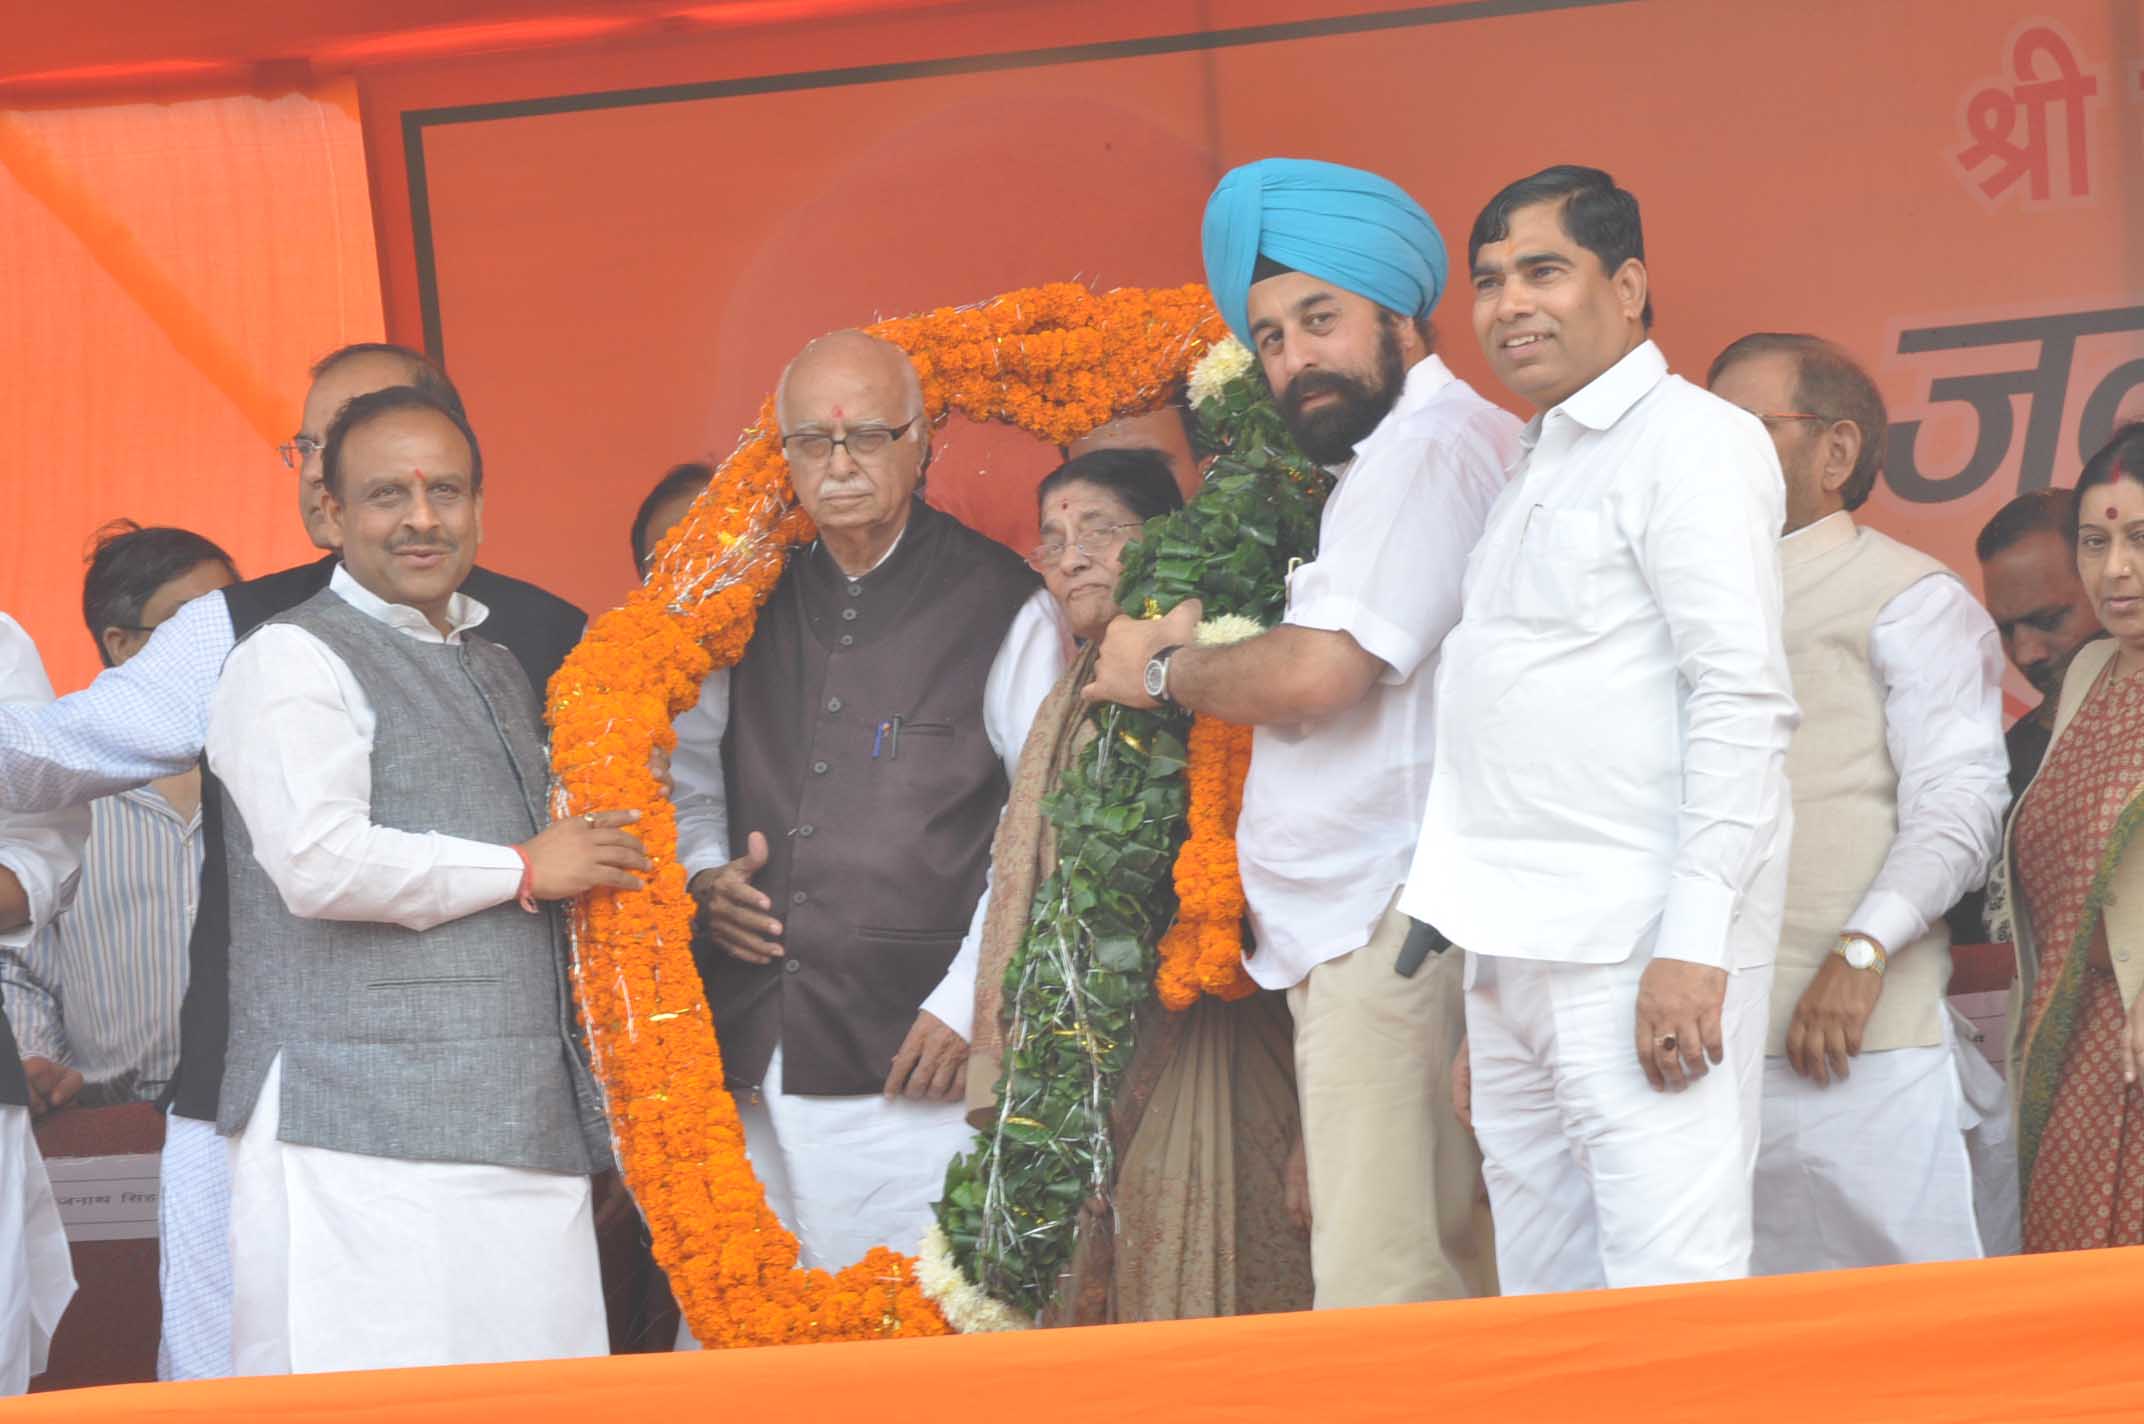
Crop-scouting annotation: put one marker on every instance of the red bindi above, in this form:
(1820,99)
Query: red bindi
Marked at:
(2112,513)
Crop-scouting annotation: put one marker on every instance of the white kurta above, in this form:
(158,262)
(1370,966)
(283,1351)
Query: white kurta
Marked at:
(1613,716)
(36,1270)
(347,1262)
(1332,809)
(339,1260)
(1869,1171)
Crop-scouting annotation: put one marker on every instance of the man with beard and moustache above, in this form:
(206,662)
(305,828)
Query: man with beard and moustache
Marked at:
(1607,831)
(1898,784)
(1330,274)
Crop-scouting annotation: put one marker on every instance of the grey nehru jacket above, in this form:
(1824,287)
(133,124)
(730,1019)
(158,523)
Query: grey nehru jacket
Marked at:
(452,1044)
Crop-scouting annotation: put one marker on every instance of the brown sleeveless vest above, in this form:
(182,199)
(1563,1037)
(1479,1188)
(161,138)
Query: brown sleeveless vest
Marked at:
(878,842)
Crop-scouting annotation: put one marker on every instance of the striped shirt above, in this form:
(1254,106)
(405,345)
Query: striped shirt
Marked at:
(98,989)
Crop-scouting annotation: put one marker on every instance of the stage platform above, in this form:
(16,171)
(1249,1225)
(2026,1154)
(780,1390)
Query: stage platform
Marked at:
(2045,1338)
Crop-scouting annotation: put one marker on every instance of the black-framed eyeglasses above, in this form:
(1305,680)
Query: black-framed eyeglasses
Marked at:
(299,448)
(1091,543)
(865,442)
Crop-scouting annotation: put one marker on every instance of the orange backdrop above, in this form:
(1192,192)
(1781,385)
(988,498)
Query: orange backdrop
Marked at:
(170,270)
(618,253)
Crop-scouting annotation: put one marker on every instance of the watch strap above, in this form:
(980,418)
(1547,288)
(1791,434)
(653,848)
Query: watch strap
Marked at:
(1882,956)
(1160,661)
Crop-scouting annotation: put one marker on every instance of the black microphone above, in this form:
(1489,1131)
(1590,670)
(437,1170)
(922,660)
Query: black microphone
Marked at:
(1422,941)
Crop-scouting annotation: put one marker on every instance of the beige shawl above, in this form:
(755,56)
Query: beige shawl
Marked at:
(1203,1120)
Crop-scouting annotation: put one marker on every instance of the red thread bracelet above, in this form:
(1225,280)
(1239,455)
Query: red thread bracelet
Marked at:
(526,893)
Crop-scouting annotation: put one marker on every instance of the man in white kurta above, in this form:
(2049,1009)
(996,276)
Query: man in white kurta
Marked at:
(1899,787)
(412,1125)
(836,793)
(1607,828)
(40,863)
(1330,274)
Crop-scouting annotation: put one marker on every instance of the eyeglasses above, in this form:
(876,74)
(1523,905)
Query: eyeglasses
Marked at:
(296,450)
(1091,543)
(865,442)
(1768,417)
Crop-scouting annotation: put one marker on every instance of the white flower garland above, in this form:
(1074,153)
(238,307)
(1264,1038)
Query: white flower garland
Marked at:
(1220,365)
(965,1305)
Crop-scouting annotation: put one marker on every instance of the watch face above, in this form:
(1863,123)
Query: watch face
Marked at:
(1858,954)
(1157,677)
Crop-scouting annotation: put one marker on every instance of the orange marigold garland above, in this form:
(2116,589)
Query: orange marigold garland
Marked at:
(1203,951)
(1056,361)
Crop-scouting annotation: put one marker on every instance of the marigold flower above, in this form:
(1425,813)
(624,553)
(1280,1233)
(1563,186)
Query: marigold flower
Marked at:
(1058,361)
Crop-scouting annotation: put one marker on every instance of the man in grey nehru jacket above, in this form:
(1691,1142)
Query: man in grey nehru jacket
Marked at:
(413,1118)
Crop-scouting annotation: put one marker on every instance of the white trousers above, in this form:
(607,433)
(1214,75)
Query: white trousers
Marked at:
(846,1174)
(36,1266)
(193,1228)
(341,1261)
(1871,1170)
(1595,1179)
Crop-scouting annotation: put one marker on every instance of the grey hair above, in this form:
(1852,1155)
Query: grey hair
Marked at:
(910,379)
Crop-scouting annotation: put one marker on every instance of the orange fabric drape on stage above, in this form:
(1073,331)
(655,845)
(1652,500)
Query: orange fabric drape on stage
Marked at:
(2041,1338)
(170,271)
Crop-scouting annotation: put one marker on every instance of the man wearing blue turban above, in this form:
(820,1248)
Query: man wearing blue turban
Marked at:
(1351,228)
(1329,274)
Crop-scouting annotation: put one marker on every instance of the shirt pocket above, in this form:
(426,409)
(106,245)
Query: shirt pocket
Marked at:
(1559,574)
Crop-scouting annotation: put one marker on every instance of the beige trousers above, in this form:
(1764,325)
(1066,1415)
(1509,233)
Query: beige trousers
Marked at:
(1397,1208)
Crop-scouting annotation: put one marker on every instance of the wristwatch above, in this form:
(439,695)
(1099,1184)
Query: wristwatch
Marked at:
(1157,674)
(1861,952)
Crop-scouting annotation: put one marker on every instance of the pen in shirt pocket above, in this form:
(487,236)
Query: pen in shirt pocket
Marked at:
(887,739)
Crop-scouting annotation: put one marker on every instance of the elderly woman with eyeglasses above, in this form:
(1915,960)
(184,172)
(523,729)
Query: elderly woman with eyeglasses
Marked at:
(1197,1223)
(2072,887)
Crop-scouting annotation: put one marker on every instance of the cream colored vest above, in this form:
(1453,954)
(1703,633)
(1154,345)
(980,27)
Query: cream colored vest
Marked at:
(1839,577)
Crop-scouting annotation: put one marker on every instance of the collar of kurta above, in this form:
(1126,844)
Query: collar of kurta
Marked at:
(1608,397)
(1814,541)
(463,612)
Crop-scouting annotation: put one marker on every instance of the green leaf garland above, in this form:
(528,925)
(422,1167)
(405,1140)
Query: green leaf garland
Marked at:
(1086,966)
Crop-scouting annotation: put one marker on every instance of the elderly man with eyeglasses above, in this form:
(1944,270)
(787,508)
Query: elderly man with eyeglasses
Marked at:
(836,795)
(1899,783)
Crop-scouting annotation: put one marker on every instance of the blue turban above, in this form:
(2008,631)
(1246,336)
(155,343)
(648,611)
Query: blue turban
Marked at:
(1341,225)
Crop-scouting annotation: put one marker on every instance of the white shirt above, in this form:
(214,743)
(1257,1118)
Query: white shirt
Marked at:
(1331,810)
(1036,648)
(136,722)
(44,850)
(290,735)
(1614,709)
(1940,661)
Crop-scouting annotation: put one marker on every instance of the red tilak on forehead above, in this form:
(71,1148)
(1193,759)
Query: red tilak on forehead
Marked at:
(837,413)
(2113,513)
